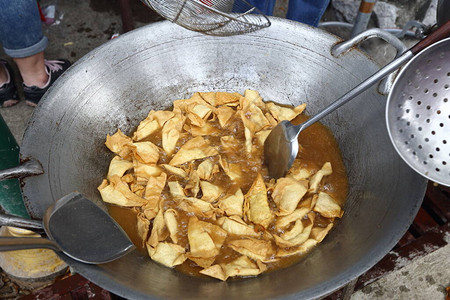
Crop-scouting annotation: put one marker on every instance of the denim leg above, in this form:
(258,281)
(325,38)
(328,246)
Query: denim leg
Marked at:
(307,11)
(265,6)
(20,28)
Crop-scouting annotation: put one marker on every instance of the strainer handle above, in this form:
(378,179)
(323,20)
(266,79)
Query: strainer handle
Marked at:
(441,33)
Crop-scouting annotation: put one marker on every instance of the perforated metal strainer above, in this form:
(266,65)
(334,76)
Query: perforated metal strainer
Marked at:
(418,113)
(212,17)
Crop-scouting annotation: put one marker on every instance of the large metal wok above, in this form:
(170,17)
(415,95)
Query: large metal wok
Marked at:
(116,85)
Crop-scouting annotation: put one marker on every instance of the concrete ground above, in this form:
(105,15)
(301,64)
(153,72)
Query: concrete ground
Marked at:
(83,25)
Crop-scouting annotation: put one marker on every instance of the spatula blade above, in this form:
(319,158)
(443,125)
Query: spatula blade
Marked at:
(84,231)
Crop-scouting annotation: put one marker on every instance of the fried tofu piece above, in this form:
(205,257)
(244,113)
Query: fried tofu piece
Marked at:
(235,225)
(118,166)
(232,170)
(193,185)
(144,171)
(198,113)
(119,143)
(175,171)
(230,143)
(232,205)
(224,98)
(206,129)
(301,249)
(146,152)
(297,235)
(317,178)
(171,133)
(256,204)
(287,193)
(254,97)
(118,192)
(143,226)
(255,249)
(207,169)
(180,106)
(297,214)
(224,115)
(170,219)
(210,191)
(195,148)
(153,191)
(197,207)
(159,230)
(254,120)
(319,233)
(205,239)
(176,190)
(281,113)
(327,206)
(241,266)
(154,121)
(167,254)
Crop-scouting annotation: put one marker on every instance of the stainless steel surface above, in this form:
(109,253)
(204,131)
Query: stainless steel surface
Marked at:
(116,85)
(27,168)
(418,113)
(281,146)
(212,17)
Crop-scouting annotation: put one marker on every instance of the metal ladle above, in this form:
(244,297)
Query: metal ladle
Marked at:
(77,227)
(281,146)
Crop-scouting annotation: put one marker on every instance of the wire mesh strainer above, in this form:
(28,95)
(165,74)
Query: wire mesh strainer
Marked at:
(212,17)
(418,113)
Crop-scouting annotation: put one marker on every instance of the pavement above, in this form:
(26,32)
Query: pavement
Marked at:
(82,25)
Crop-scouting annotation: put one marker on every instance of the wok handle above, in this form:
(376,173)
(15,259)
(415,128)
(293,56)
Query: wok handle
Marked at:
(18,243)
(28,168)
(439,34)
(343,47)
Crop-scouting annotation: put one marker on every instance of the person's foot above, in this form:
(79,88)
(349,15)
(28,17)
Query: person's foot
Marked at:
(8,91)
(54,68)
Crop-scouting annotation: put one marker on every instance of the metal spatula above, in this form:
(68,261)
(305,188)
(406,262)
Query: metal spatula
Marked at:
(281,146)
(75,226)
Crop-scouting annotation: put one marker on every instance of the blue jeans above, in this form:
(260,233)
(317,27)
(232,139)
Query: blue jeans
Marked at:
(304,11)
(21,28)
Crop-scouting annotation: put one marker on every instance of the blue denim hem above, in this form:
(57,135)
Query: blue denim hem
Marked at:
(29,51)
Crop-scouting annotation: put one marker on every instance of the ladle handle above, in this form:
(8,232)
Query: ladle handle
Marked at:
(441,33)
(363,86)
(19,243)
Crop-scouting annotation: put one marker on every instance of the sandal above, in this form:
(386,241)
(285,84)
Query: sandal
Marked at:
(8,91)
(54,68)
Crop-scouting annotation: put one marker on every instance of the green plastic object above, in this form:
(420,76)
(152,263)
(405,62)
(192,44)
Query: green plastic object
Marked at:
(11,199)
